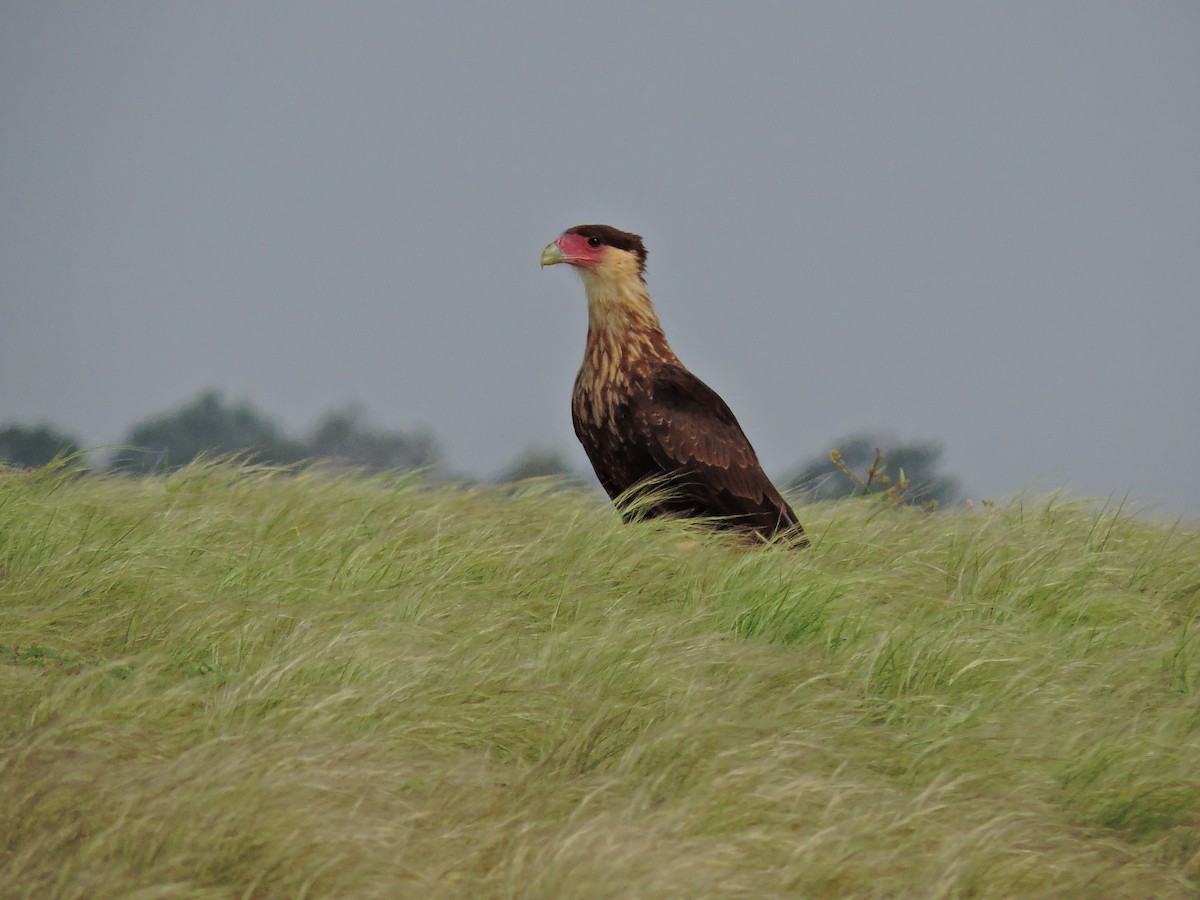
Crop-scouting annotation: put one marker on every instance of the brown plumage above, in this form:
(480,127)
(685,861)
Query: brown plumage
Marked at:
(644,418)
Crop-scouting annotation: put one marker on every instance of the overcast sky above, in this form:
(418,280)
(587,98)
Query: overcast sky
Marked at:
(973,223)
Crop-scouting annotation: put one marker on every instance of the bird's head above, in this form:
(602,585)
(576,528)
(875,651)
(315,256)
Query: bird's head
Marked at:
(598,250)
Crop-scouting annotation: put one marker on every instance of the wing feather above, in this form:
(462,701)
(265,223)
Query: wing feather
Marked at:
(694,438)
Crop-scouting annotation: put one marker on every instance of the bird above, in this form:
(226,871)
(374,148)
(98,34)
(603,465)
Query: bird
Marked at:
(644,420)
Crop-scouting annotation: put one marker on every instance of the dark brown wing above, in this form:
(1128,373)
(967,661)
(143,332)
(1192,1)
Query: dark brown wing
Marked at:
(694,439)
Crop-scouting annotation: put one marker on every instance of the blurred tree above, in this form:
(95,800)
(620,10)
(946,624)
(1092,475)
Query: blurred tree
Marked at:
(206,425)
(822,479)
(30,447)
(541,463)
(341,438)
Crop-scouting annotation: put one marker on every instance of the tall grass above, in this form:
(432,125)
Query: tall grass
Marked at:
(235,683)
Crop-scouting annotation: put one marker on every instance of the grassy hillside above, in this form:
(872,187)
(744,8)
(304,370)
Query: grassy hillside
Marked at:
(229,683)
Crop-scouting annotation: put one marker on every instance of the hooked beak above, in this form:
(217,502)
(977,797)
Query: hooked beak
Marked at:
(552,255)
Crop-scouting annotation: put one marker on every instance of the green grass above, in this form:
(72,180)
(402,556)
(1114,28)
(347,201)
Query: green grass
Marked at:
(233,683)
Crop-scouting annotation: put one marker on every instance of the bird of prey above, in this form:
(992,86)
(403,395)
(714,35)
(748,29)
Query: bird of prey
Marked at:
(643,418)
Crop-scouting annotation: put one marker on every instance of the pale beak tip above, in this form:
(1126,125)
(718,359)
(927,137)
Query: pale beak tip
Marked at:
(552,255)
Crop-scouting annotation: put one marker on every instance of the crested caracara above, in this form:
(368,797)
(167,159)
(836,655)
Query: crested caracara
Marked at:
(642,417)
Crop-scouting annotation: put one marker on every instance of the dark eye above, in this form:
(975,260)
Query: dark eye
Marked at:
(593,242)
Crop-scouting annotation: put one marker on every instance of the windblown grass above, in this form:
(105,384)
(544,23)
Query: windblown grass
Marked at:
(232,683)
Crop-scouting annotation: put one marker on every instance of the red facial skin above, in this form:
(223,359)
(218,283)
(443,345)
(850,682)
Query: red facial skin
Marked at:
(577,252)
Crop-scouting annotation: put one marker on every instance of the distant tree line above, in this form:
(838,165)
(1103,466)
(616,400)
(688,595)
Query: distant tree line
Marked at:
(34,446)
(877,464)
(211,426)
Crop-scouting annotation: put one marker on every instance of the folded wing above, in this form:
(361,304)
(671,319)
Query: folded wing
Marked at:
(697,443)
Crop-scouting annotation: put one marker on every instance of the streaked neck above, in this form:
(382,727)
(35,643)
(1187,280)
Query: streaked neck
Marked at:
(623,327)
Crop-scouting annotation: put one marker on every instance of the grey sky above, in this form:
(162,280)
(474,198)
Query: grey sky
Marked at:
(973,223)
